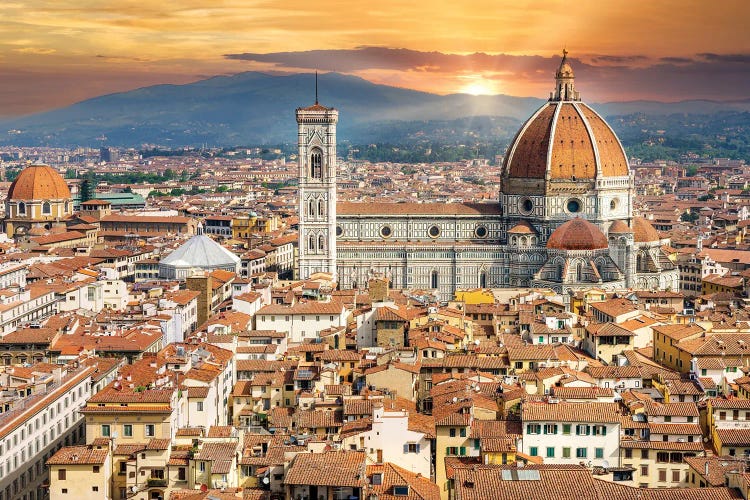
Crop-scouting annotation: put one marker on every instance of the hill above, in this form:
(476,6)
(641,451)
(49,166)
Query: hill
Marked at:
(256,108)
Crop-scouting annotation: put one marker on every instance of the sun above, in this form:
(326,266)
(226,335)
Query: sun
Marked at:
(477,85)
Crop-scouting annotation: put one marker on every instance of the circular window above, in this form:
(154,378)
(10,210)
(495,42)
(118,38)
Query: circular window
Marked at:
(480,232)
(433,232)
(574,206)
(527,205)
(386,231)
(339,230)
(613,204)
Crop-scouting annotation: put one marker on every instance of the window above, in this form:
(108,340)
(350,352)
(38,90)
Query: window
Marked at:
(46,208)
(581,452)
(534,429)
(65,491)
(377,479)
(452,432)
(202,466)
(127,430)
(105,430)
(600,430)
(400,491)
(316,164)
(566,429)
(462,451)
(675,476)
(644,454)
(181,474)
(662,475)
(644,470)
(550,428)
(95,469)
(123,467)
(583,430)
(94,488)
(628,453)
(61,474)
(566,452)
(200,405)
(534,451)
(22,208)
(434,279)
(149,430)
(411,448)
(451,451)
(598,452)
(462,432)
(550,452)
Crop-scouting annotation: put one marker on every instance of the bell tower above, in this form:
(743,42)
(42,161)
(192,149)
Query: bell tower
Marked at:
(316,140)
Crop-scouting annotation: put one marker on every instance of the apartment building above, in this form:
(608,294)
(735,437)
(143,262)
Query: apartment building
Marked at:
(38,419)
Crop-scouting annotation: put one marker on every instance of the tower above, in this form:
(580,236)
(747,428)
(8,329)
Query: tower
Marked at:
(316,140)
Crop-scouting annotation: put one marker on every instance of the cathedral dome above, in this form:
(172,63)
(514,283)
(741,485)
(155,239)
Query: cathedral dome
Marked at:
(577,234)
(643,231)
(619,227)
(565,140)
(38,182)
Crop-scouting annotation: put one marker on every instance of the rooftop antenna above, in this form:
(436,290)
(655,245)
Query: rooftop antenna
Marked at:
(316,87)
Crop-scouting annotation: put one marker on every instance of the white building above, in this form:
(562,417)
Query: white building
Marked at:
(303,320)
(41,423)
(571,433)
(390,440)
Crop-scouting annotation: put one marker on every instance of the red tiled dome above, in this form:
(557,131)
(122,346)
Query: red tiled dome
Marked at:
(643,231)
(577,234)
(619,227)
(38,182)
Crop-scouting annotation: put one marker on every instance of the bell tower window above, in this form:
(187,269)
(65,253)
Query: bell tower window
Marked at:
(316,164)
(311,244)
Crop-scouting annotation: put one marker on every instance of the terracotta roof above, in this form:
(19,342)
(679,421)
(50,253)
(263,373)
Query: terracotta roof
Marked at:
(338,468)
(570,412)
(428,209)
(74,455)
(38,182)
(577,234)
(643,231)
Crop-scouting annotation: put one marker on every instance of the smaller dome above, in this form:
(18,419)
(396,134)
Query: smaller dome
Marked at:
(619,227)
(523,227)
(643,231)
(38,182)
(577,234)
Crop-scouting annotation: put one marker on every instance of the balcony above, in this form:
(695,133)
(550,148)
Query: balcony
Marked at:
(155,482)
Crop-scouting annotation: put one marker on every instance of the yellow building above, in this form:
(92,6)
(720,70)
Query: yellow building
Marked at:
(81,472)
(475,296)
(130,415)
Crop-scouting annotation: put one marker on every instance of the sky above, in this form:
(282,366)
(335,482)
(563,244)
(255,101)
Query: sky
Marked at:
(54,53)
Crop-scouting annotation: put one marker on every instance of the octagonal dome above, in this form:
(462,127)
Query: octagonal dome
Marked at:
(38,182)
(564,140)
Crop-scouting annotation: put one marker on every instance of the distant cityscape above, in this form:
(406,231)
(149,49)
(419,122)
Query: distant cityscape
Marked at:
(545,316)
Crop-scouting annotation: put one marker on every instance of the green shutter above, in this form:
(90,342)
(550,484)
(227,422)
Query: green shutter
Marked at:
(462,451)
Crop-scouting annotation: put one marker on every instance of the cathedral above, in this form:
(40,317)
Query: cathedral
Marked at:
(563,219)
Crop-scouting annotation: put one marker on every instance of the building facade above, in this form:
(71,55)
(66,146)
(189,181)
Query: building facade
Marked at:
(564,217)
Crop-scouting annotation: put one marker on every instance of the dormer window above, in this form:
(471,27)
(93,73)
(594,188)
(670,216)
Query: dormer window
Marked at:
(377,479)
(401,491)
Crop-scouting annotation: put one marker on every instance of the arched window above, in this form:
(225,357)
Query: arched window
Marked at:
(311,208)
(434,279)
(22,208)
(321,208)
(67,206)
(316,164)
(482,280)
(311,244)
(523,241)
(639,263)
(579,272)
(321,243)
(46,208)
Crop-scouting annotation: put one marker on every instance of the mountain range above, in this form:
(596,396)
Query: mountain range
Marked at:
(256,108)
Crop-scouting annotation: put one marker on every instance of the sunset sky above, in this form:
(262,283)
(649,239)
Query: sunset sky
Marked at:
(55,53)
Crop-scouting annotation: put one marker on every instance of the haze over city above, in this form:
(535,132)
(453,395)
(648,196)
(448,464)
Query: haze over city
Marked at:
(53,55)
